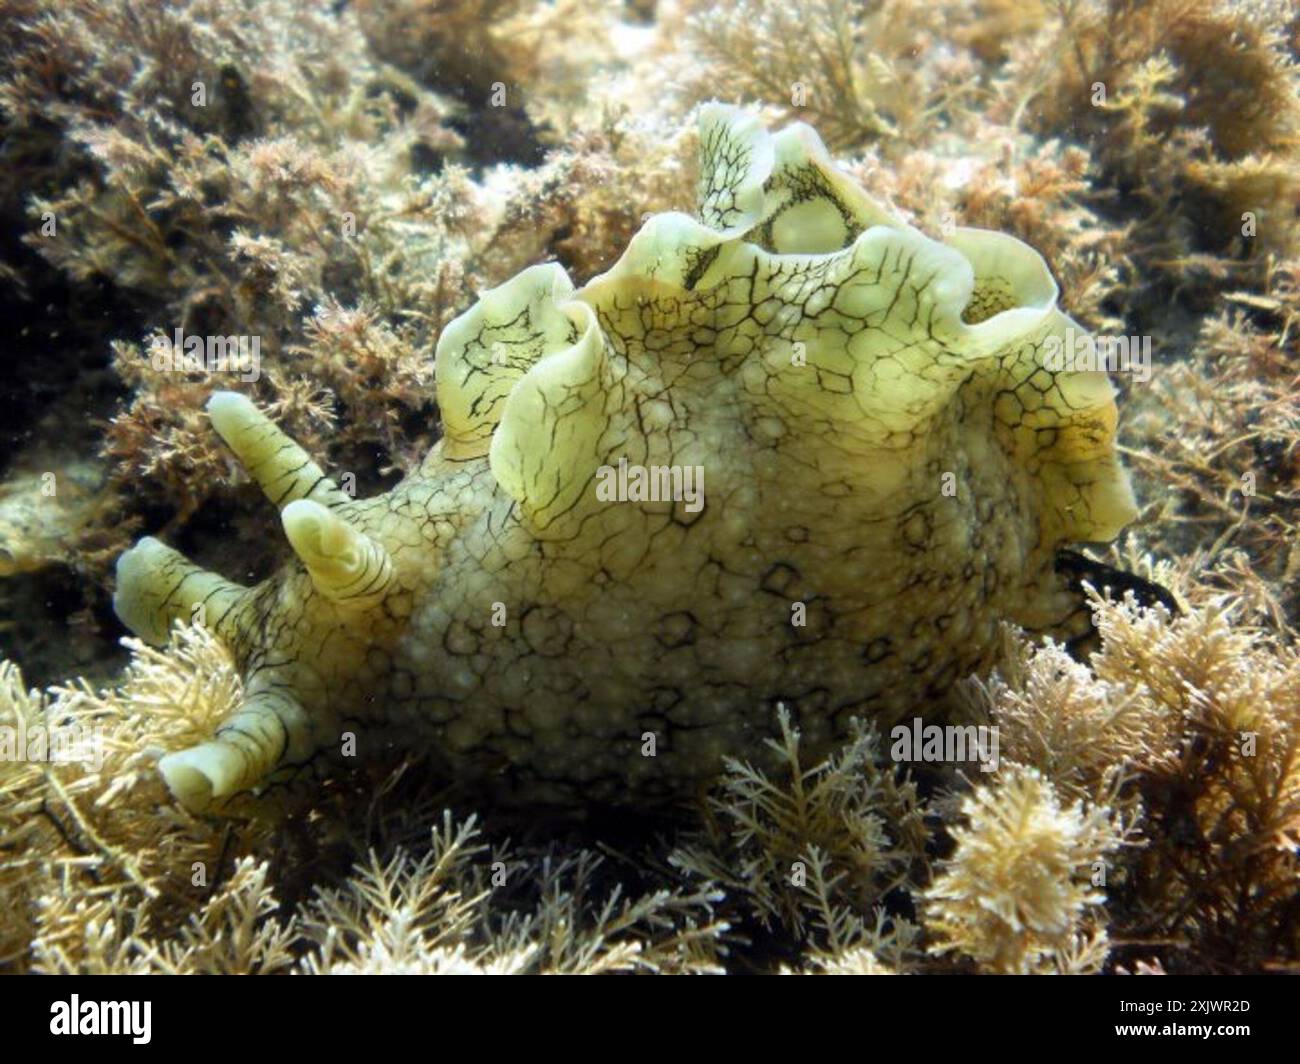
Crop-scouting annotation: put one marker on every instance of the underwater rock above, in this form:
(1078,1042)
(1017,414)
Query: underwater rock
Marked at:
(789,450)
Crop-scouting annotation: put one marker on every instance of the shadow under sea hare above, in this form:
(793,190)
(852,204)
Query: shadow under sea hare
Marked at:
(873,469)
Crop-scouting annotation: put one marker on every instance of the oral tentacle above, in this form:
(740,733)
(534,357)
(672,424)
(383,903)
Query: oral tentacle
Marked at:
(345,565)
(268,732)
(157,586)
(284,471)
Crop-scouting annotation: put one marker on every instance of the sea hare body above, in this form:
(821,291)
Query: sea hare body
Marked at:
(873,469)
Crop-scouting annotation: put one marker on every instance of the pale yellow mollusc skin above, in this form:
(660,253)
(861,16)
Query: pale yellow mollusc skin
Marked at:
(874,467)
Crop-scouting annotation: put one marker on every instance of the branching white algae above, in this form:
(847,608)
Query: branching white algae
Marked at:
(888,471)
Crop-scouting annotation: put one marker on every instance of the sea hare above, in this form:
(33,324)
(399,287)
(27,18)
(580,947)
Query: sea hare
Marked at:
(789,449)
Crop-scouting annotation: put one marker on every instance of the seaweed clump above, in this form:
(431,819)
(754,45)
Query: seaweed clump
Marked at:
(1015,897)
(813,852)
(1192,112)
(1188,729)
(237,171)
